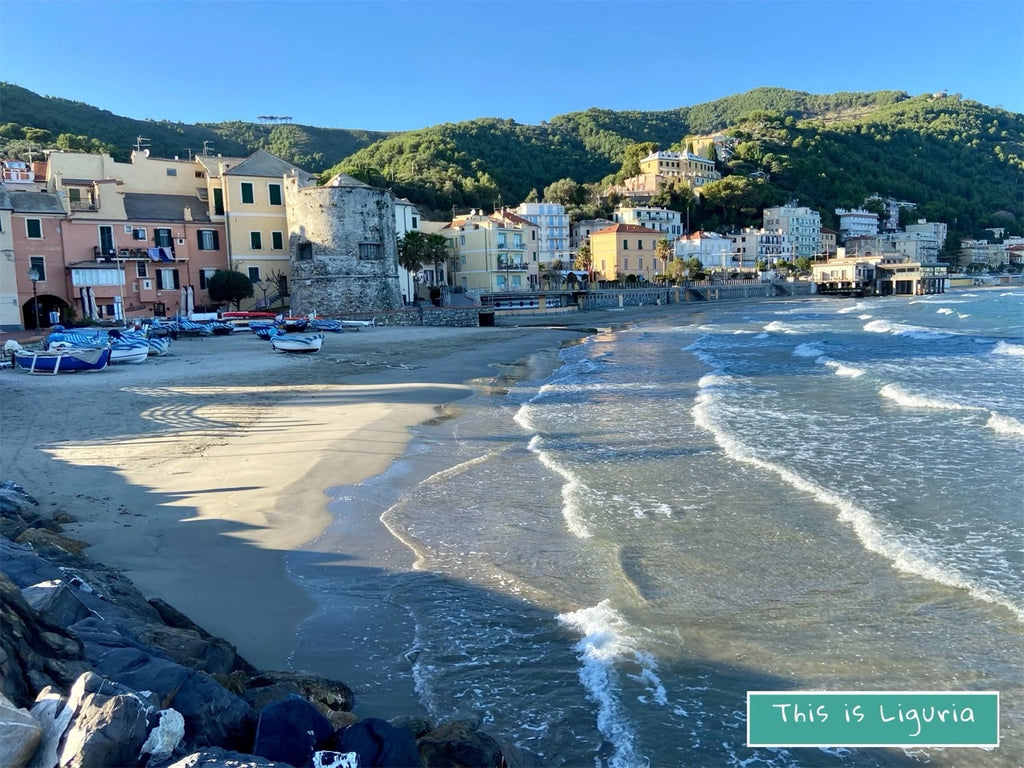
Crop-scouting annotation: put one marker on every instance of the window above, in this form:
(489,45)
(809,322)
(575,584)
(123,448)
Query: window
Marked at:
(74,194)
(138,234)
(38,263)
(204,278)
(282,285)
(218,201)
(172,171)
(207,240)
(304,252)
(274,191)
(167,279)
(254,274)
(34,228)
(247,193)
(162,237)
(141,269)
(625,245)
(371,251)
(625,262)
(639,245)
(256,240)
(640,262)
(501,241)
(200,175)
(277,241)
(415,222)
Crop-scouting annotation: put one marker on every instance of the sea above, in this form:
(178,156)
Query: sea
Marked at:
(814,493)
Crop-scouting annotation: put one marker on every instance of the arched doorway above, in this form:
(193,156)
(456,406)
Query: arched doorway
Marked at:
(52,310)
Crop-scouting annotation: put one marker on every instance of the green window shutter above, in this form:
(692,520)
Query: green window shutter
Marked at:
(247,194)
(275,194)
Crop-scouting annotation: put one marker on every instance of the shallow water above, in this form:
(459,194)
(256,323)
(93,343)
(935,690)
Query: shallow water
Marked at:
(811,494)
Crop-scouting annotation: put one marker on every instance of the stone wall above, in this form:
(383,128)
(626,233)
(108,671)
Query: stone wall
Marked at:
(449,317)
(331,274)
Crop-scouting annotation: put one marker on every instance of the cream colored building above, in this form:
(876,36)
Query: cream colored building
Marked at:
(694,169)
(496,253)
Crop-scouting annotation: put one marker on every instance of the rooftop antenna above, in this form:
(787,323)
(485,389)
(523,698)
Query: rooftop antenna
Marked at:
(139,146)
(207,146)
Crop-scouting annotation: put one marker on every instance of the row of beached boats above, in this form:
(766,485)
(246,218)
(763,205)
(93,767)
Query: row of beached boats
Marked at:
(93,349)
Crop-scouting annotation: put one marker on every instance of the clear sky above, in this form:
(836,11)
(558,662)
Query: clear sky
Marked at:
(390,65)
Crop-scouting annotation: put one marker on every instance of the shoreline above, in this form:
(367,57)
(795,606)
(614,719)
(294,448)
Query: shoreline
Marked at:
(199,473)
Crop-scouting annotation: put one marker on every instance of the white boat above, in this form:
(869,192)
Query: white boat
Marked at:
(66,360)
(297,342)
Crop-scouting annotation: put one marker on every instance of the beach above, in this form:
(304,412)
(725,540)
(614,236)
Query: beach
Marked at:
(197,472)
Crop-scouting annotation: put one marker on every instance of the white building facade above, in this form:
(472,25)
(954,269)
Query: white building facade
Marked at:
(800,224)
(662,219)
(554,234)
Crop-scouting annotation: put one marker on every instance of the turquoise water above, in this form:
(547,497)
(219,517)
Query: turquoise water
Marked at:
(817,494)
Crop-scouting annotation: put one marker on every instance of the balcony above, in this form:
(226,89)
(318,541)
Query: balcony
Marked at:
(83,205)
(505,265)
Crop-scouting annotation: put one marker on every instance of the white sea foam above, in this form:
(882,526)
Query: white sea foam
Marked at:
(572,490)
(808,350)
(903,329)
(1006,348)
(780,327)
(944,311)
(904,553)
(864,317)
(840,369)
(1005,425)
(900,396)
(854,308)
(606,641)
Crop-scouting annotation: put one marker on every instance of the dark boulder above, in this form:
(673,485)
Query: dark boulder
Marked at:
(215,757)
(332,698)
(290,731)
(33,652)
(460,744)
(379,744)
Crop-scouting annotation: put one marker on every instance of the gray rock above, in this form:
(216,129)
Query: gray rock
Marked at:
(24,566)
(19,735)
(105,731)
(53,714)
(459,744)
(56,602)
(33,652)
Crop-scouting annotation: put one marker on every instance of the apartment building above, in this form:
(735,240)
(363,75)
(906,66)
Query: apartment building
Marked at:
(553,232)
(695,170)
(711,249)
(627,249)
(664,220)
(495,253)
(856,222)
(800,224)
(752,245)
(584,228)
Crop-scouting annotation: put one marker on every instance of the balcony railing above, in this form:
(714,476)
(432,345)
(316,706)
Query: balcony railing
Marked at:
(83,205)
(512,266)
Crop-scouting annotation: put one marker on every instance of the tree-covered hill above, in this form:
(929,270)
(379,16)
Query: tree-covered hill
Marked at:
(957,160)
(34,121)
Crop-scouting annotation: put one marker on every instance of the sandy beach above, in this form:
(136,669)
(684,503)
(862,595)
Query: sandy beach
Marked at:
(198,471)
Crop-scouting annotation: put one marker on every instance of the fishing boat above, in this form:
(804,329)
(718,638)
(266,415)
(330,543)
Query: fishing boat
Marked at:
(297,342)
(65,360)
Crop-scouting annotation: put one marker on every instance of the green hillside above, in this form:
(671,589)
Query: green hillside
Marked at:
(65,124)
(958,160)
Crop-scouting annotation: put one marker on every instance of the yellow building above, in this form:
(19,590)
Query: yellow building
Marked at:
(626,249)
(252,193)
(494,253)
(694,169)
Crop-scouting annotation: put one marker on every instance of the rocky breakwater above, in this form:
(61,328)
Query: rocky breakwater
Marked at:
(93,675)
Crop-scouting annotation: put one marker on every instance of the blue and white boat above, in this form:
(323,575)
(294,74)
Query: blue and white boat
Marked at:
(297,342)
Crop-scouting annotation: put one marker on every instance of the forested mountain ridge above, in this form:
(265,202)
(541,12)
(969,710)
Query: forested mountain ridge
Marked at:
(959,161)
(73,125)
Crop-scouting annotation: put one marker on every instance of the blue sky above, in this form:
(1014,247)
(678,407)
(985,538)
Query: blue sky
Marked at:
(389,65)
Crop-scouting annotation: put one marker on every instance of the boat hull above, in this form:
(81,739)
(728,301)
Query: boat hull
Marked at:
(63,360)
(297,342)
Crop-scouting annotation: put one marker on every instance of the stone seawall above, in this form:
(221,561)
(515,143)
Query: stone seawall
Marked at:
(433,317)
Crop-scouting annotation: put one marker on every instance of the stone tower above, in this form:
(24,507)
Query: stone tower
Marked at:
(342,247)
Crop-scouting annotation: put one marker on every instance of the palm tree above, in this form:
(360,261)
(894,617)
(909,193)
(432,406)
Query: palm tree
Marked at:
(584,260)
(663,250)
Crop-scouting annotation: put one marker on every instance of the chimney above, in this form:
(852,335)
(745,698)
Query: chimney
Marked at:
(188,213)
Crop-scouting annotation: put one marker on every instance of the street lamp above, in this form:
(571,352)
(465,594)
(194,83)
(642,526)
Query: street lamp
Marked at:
(33,275)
